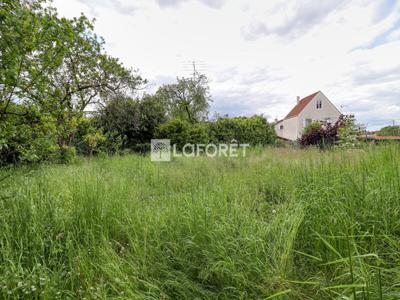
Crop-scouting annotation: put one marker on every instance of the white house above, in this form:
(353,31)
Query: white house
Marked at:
(315,107)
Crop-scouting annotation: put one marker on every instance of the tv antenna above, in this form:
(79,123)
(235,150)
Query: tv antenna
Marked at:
(194,67)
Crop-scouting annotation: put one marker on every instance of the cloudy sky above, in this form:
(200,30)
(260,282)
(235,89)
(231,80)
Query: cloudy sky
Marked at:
(259,55)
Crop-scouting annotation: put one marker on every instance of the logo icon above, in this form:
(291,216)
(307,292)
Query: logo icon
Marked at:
(160,150)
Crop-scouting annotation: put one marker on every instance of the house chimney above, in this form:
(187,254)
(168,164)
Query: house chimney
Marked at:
(298,99)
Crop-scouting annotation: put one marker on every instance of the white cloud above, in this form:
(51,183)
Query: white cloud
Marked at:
(260,55)
(290,18)
(210,3)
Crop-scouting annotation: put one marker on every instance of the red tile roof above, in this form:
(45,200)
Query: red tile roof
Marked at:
(377,137)
(300,106)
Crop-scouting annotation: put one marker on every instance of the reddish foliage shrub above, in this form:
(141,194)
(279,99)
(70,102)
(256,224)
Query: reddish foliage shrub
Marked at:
(325,136)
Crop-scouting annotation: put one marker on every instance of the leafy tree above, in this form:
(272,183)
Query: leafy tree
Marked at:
(87,74)
(188,99)
(27,136)
(31,46)
(152,113)
(389,131)
(133,120)
(120,118)
(51,70)
(45,58)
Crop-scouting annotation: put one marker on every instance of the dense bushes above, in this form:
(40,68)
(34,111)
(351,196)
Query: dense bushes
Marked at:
(181,132)
(176,130)
(132,121)
(37,137)
(199,133)
(344,133)
(28,138)
(253,130)
(321,136)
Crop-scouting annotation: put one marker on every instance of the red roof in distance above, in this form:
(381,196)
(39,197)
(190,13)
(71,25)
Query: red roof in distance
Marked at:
(376,137)
(300,106)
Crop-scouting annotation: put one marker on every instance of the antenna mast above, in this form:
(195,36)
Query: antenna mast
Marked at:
(193,67)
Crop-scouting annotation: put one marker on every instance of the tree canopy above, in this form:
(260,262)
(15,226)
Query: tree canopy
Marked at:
(51,70)
(62,94)
(188,99)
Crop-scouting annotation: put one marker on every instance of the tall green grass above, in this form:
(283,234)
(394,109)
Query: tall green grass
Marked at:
(278,224)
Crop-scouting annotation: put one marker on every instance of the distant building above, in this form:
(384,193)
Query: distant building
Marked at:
(315,107)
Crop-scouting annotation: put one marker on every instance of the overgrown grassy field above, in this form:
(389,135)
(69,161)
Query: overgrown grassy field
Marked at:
(278,224)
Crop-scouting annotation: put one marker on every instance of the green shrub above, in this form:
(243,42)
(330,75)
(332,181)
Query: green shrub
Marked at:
(29,138)
(253,130)
(198,133)
(93,141)
(67,154)
(181,132)
(131,121)
(178,131)
(311,127)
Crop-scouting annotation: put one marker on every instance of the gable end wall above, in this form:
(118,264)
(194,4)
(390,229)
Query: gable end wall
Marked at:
(328,110)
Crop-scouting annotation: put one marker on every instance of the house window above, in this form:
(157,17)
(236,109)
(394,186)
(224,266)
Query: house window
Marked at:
(319,104)
(328,121)
(281,127)
(307,122)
